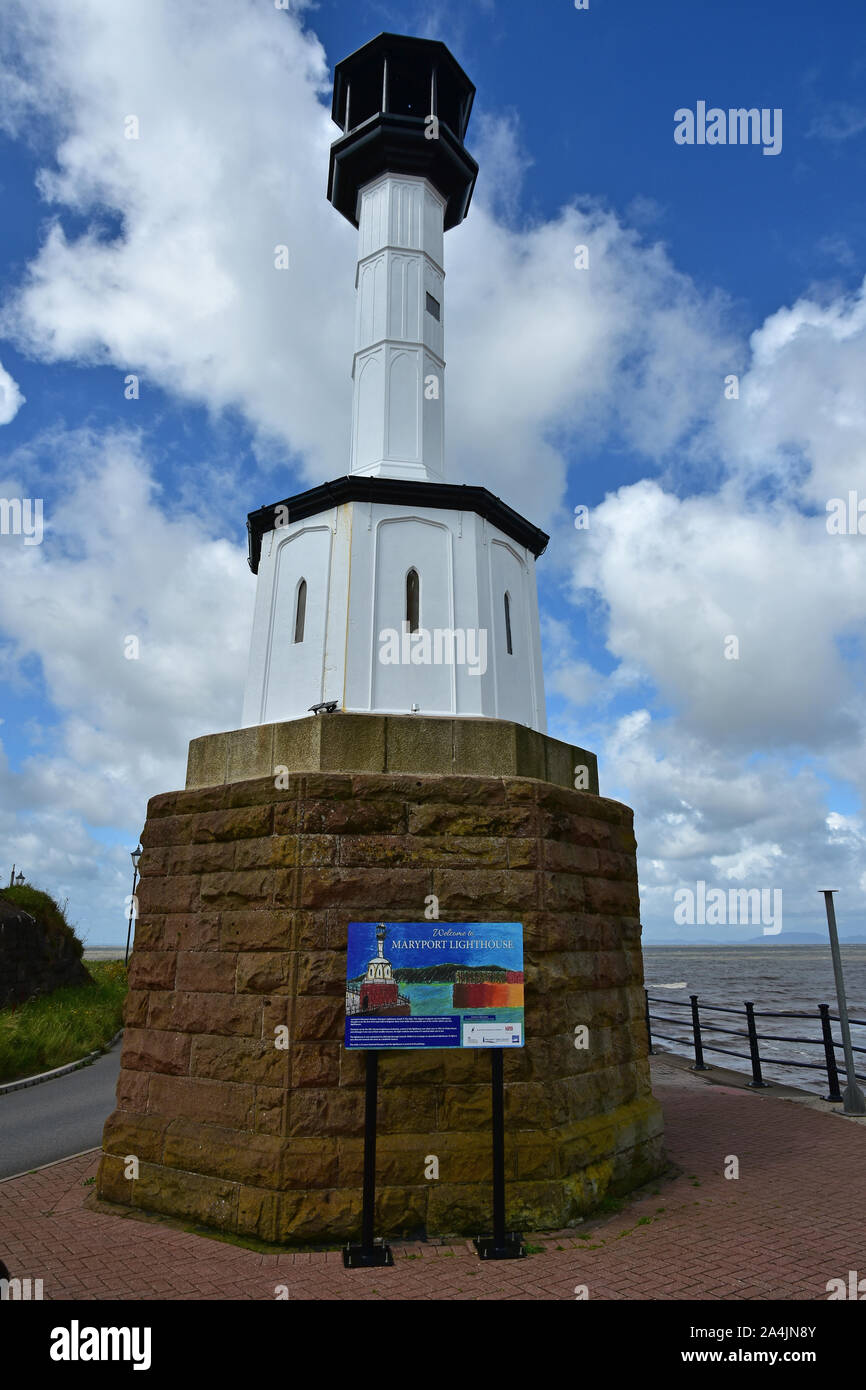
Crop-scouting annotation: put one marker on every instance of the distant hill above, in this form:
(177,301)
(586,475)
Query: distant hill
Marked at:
(785,938)
(803,938)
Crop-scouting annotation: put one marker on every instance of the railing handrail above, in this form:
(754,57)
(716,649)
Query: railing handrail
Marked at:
(759,1013)
(832,1066)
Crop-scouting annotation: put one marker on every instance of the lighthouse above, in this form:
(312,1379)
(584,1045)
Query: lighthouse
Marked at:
(379,990)
(393,759)
(397,588)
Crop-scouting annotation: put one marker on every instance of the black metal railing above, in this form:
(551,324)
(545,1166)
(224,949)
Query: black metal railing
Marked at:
(754,1038)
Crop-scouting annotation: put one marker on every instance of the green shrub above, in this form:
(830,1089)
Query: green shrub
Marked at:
(46,911)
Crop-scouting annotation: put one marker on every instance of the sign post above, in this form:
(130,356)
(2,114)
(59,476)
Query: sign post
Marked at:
(371,1253)
(501,1245)
(434,984)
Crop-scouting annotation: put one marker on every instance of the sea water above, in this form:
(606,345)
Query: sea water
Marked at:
(793,979)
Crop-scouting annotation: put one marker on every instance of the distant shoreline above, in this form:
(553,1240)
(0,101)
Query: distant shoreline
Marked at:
(789,944)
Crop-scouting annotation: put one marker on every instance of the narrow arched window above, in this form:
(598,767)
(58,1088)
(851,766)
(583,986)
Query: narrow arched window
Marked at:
(508,647)
(413,600)
(300,611)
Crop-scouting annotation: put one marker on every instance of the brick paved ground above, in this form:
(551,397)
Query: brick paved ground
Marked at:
(793,1220)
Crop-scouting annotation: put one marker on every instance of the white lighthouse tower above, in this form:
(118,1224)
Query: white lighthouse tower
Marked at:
(394,590)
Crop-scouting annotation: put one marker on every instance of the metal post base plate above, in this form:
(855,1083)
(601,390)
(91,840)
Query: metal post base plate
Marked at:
(513,1247)
(853,1101)
(367,1257)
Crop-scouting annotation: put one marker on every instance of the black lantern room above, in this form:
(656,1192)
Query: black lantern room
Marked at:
(384,97)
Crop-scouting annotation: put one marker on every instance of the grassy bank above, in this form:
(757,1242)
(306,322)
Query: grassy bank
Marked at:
(63,1026)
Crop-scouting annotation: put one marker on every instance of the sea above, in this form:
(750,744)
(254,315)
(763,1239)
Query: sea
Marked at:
(776,979)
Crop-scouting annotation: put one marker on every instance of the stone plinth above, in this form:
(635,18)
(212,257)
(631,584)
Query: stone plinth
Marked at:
(344,742)
(245,897)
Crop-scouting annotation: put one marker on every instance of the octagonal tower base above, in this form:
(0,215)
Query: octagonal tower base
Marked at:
(248,884)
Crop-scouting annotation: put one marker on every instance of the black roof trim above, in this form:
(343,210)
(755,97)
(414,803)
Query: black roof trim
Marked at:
(394,144)
(398,492)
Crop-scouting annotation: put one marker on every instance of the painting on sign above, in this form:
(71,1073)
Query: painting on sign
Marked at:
(441,984)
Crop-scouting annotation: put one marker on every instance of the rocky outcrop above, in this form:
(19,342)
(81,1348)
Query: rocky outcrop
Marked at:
(36,956)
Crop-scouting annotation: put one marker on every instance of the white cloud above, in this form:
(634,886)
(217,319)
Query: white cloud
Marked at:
(838,121)
(231,161)
(114,565)
(717,773)
(754,864)
(801,417)
(173,278)
(678,577)
(701,815)
(11,398)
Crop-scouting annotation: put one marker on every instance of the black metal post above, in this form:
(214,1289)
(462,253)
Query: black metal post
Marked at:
(371,1099)
(498,1095)
(757,1079)
(649,1035)
(502,1245)
(829,1053)
(854,1100)
(132,912)
(370,1252)
(700,1064)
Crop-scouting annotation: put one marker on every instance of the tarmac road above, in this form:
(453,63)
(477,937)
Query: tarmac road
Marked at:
(57,1118)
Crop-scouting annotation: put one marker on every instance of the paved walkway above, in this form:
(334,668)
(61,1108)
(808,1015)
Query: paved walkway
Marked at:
(794,1219)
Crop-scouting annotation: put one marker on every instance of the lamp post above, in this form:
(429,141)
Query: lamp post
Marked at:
(135,855)
(854,1103)
(19,878)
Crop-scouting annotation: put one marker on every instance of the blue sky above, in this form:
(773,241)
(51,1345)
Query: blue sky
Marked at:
(602,387)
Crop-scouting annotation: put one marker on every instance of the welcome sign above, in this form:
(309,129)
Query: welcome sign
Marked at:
(434,984)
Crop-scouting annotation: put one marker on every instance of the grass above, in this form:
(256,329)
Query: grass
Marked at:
(63,1026)
(46,911)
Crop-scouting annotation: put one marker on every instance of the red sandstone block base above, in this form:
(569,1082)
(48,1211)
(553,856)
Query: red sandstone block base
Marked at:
(236,1094)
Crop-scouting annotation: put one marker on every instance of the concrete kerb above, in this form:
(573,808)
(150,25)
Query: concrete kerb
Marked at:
(60,1071)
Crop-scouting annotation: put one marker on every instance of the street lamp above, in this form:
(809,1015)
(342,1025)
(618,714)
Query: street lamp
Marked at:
(135,855)
(19,878)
